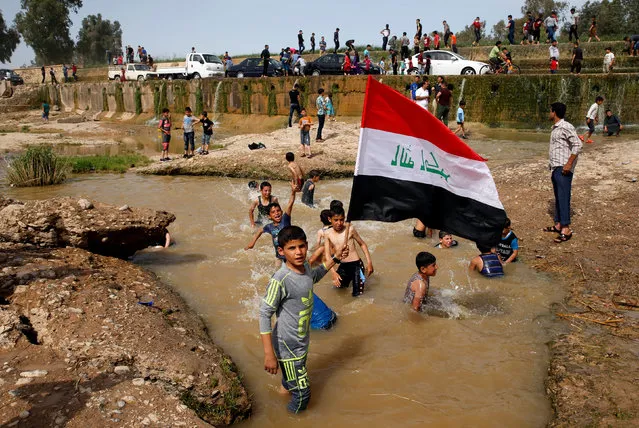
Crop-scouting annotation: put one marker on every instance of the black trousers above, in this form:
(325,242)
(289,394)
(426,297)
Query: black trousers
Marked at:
(320,126)
(575,67)
(405,52)
(265,69)
(336,46)
(395,69)
(573,30)
(298,109)
(384,43)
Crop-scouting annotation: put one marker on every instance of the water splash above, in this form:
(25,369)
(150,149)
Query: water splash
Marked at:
(216,102)
(461,90)
(563,94)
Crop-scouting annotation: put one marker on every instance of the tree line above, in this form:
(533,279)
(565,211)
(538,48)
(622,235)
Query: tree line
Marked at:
(45,26)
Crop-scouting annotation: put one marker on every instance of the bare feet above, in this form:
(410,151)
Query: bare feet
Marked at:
(283,390)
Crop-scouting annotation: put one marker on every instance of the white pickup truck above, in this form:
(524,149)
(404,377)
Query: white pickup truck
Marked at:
(197,65)
(131,72)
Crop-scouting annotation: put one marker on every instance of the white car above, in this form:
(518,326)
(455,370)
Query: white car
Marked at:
(446,63)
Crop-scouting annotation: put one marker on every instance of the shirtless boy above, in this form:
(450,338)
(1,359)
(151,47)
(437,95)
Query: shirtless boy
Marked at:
(351,268)
(262,204)
(417,288)
(297,175)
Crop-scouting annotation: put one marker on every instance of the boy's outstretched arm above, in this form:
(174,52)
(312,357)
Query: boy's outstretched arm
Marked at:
(254,240)
(251,213)
(291,201)
(367,254)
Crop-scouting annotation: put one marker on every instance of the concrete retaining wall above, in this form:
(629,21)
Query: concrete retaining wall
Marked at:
(520,101)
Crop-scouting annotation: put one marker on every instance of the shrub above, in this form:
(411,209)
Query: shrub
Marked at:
(39,166)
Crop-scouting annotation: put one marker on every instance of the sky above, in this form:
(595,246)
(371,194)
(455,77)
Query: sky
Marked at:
(169,29)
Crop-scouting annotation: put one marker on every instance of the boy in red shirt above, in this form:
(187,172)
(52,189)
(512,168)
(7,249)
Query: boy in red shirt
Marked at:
(554,65)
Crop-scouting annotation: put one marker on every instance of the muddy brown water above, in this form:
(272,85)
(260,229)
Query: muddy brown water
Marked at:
(479,359)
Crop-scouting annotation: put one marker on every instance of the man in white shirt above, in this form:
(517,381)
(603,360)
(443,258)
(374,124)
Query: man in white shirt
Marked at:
(422,95)
(574,22)
(385,35)
(609,60)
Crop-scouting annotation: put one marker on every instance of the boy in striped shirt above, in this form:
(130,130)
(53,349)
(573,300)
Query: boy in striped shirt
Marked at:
(289,296)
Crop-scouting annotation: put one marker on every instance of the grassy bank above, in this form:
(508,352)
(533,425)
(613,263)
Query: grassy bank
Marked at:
(38,166)
(106,163)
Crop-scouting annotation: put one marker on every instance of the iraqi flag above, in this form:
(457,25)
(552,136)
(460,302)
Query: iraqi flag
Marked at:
(410,165)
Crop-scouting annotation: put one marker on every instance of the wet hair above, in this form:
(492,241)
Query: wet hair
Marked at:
(314,173)
(187,109)
(335,203)
(252,184)
(559,109)
(599,98)
(337,211)
(265,184)
(205,114)
(320,91)
(424,259)
(507,222)
(273,205)
(165,110)
(325,217)
(290,156)
(290,233)
(483,248)
(443,233)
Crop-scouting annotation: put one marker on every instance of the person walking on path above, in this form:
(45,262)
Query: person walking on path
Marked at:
(294,95)
(336,39)
(44,73)
(54,81)
(320,103)
(300,41)
(312,43)
(444,98)
(551,23)
(65,73)
(511,30)
(405,44)
(592,31)
(446,33)
(266,58)
(564,149)
(477,28)
(385,35)
(577,59)
(74,71)
(574,23)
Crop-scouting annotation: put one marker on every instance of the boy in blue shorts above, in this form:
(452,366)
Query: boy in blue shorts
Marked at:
(280,220)
(290,296)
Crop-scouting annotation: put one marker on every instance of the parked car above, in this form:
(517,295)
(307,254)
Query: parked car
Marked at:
(131,72)
(12,76)
(446,63)
(253,67)
(196,65)
(332,64)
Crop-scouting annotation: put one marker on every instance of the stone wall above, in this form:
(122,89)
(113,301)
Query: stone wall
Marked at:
(520,101)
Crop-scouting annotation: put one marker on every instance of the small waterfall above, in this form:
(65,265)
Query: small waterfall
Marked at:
(216,102)
(563,94)
(461,90)
(619,99)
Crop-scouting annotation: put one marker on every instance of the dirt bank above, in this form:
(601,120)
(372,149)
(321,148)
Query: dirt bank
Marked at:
(592,378)
(78,348)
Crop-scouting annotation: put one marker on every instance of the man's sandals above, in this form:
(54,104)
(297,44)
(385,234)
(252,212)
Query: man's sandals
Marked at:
(562,236)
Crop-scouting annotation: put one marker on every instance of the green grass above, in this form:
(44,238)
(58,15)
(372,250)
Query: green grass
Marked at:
(107,163)
(39,166)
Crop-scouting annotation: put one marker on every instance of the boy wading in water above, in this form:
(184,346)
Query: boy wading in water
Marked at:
(351,270)
(280,221)
(416,292)
(262,203)
(297,175)
(290,296)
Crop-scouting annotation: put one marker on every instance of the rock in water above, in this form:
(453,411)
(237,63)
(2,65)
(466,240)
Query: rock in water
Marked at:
(104,229)
(85,204)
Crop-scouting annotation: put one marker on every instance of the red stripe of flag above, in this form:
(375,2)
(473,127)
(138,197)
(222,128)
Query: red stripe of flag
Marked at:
(385,109)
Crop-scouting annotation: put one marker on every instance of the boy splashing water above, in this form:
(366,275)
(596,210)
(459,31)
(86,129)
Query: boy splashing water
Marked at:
(289,296)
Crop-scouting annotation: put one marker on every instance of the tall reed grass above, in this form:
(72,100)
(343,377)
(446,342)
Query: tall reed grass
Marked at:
(39,166)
